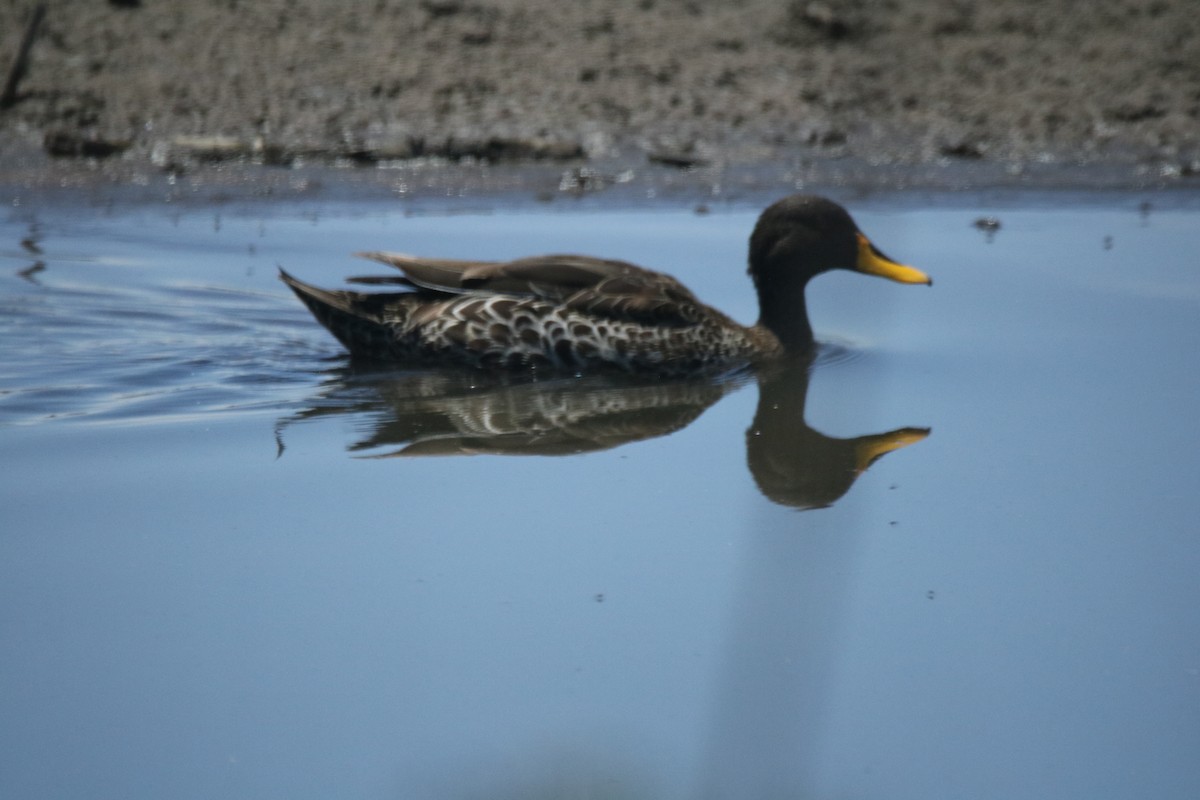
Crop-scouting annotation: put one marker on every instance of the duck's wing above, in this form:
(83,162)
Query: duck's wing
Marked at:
(431,274)
(602,287)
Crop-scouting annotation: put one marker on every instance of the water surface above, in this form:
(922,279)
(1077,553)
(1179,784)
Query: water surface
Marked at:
(956,558)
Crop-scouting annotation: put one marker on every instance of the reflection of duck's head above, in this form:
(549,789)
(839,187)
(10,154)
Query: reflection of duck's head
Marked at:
(797,239)
(795,465)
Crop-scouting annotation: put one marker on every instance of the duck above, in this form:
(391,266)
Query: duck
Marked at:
(576,313)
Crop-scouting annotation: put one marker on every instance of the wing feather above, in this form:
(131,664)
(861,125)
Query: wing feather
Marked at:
(613,289)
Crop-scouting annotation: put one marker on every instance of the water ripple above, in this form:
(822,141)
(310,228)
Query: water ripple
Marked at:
(135,353)
(834,352)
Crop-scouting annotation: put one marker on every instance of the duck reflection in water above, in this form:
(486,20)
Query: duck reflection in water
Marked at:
(457,412)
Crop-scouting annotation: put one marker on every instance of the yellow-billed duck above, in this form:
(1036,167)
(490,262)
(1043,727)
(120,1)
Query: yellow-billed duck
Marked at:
(571,312)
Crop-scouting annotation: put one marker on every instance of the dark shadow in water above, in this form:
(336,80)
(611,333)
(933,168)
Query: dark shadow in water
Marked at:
(31,244)
(451,412)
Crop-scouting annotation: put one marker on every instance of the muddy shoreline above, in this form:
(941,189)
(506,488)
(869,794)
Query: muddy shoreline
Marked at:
(432,98)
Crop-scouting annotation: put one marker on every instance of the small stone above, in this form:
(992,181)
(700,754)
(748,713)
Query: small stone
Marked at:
(66,144)
(962,148)
(677,159)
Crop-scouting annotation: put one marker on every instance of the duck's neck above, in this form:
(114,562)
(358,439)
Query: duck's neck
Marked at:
(785,314)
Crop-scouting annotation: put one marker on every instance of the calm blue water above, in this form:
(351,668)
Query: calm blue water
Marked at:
(229,569)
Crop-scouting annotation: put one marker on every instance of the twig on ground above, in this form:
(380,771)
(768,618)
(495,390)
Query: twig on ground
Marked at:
(17,70)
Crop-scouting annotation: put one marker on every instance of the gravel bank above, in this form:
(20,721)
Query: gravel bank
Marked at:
(576,97)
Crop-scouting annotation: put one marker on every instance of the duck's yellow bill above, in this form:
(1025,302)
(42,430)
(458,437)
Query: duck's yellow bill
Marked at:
(873,262)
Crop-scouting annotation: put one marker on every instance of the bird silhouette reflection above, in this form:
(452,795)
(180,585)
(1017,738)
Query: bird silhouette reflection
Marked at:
(458,412)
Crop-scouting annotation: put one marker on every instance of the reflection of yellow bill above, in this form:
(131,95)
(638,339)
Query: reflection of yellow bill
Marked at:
(873,262)
(870,448)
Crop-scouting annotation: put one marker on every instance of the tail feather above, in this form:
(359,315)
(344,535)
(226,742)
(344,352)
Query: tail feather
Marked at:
(352,317)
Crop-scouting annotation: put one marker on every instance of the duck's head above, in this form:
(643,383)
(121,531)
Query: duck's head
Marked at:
(797,239)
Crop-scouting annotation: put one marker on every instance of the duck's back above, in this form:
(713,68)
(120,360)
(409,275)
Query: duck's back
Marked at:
(560,312)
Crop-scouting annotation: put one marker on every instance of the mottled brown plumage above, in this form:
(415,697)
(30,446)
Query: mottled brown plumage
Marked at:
(572,312)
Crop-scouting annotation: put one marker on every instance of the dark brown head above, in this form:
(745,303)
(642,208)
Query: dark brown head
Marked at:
(797,239)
